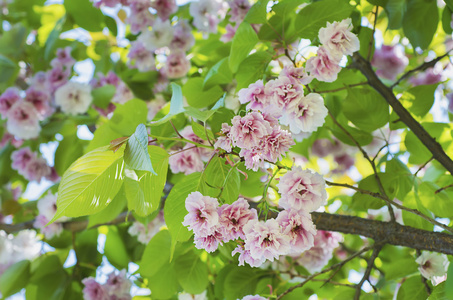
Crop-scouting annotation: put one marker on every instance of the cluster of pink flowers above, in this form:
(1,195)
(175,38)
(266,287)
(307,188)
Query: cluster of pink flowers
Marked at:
(189,159)
(337,40)
(342,154)
(117,287)
(259,136)
(207,14)
(291,233)
(319,255)
(145,233)
(238,11)
(389,61)
(430,76)
(47,207)
(31,166)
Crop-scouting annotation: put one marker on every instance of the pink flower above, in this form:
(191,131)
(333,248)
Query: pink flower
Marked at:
(249,130)
(122,94)
(209,243)
(108,3)
(233,217)
(205,153)
(9,138)
(254,297)
(298,75)
(245,257)
(23,120)
(74,98)
(177,65)
(323,67)
(36,169)
(183,38)
(450,102)
(57,77)
(7,100)
(53,176)
(299,227)
(50,231)
(140,57)
(40,100)
(328,239)
(118,284)
(338,38)
(164,8)
(265,240)
(255,96)
(160,36)
(430,76)
(205,14)
(20,158)
(224,142)
(282,91)
(155,105)
(63,58)
(275,145)
(39,81)
(47,206)
(305,114)
(238,10)
(203,216)
(187,161)
(432,264)
(229,34)
(145,233)
(140,17)
(302,190)
(253,158)
(389,61)
(315,259)
(93,290)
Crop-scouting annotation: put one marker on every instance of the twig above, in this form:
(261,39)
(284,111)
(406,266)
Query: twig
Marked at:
(367,273)
(176,130)
(182,150)
(424,165)
(443,188)
(372,35)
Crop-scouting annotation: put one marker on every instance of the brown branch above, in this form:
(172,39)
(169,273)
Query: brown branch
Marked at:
(443,188)
(367,273)
(433,146)
(421,68)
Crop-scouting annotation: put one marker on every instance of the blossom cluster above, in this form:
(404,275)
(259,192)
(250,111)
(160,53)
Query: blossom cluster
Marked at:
(117,287)
(433,266)
(31,166)
(145,233)
(290,233)
(47,207)
(189,158)
(238,11)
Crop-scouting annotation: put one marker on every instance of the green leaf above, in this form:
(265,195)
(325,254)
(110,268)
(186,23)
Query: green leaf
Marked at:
(412,201)
(257,14)
(420,34)
(366,109)
(199,98)
(90,183)
(115,249)
(400,173)
(124,122)
(252,69)
(164,283)
(400,268)
(111,212)
(419,99)
(176,105)
(103,95)
(156,254)
(175,211)
(192,273)
(12,41)
(85,14)
(316,15)
(240,282)
(439,292)
(448,282)
(244,41)
(15,278)
(44,266)
(220,175)
(143,189)
(53,37)
(363,201)
(438,203)
(200,131)
(7,68)
(136,153)
(412,289)
(69,149)
(219,74)
(205,114)
(395,10)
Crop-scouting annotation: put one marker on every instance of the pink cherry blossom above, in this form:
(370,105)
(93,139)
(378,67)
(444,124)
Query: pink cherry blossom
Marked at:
(36,169)
(93,290)
(253,158)
(118,284)
(53,176)
(108,3)
(430,76)
(255,96)
(203,216)
(450,102)
(9,138)
(254,297)
(20,158)
(229,34)
(245,257)
(328,239)
(50,231)
(187,161)
(247,131)
(63,58)
(224,141)
(298,75)
(314,259)
(177,65)
(39,81)
(140,17)
(183,38)
(389,61)
(205,153)
(299,227)
(275,145)
(164,8)
(238,10)
(7,100)
(145,233)
(323,67)
(122,94)
(338,38)
(209,243)
(40,100)
(282,91)
(205,14)
(74,98)
(233,217)
(160,36)
(23,120)
(432,264)
(140,57)
(302,190)
(265,239)
(57,77)
(305,114)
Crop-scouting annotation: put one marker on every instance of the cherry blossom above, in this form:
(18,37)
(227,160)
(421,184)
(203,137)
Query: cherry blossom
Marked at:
(74,98)
(323,67)
(338,38)
(23,120)
(203,216)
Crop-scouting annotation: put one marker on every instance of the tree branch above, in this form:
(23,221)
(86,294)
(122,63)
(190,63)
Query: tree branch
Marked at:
(366,275)
(434,147)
